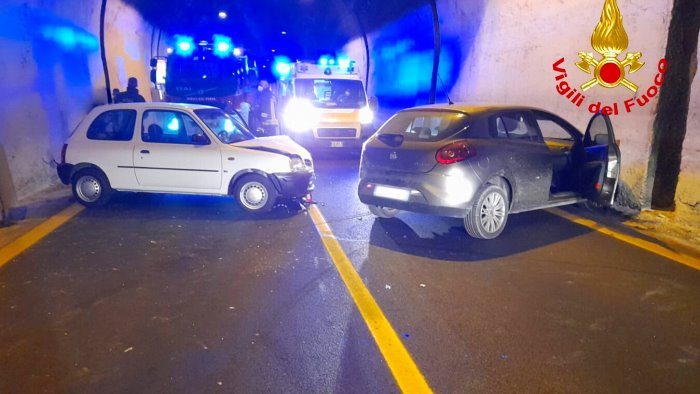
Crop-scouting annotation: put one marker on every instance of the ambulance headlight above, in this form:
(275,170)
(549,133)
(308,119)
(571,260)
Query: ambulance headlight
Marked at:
(366,115)
(300,115)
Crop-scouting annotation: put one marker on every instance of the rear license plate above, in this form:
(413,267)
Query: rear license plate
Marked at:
(392,193)
(336,144)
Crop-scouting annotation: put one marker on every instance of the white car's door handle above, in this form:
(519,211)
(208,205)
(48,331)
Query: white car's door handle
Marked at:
(231,158)
(145,151)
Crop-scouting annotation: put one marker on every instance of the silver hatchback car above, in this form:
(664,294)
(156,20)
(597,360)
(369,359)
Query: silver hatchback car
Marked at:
(484,163)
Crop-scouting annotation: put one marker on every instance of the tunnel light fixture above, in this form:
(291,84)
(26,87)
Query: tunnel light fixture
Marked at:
(223,15)
(237,51)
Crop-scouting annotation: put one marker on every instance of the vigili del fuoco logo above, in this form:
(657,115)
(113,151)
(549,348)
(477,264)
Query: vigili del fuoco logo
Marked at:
(609,39)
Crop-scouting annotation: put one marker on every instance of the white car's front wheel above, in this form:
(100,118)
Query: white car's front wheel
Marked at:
(255,193)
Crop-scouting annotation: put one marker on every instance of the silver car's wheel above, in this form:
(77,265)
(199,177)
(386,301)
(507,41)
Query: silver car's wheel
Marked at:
(255,193)
(489,213)
(90,187)
(383,212)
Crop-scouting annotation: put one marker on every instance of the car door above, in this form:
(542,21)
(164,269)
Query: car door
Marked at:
(175,154)
(109,144)
(525,156)
(602,165)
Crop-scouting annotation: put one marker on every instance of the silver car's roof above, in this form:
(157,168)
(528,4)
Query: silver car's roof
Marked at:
(471,108)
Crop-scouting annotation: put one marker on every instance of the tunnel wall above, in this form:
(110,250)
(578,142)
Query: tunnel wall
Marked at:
(52,76)
(503,51)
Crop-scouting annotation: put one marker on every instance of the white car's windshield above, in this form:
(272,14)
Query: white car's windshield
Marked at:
(228,129)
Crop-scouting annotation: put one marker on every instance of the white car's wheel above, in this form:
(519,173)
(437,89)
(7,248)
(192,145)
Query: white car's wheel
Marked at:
(255,193)
(383,212)
(91,188)
(489,213)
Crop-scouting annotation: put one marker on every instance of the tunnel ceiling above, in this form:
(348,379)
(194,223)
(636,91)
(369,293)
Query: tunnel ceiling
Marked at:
(312,27)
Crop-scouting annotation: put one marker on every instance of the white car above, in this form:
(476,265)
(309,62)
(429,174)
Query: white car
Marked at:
(181,148)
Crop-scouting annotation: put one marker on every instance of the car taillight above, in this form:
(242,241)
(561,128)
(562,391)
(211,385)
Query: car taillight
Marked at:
(454,152)
(63,153)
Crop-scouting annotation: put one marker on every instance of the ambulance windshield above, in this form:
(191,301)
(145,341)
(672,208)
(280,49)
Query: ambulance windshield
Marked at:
(332,93)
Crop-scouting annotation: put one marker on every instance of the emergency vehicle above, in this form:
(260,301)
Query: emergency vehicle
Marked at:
(324,104)
(204,72)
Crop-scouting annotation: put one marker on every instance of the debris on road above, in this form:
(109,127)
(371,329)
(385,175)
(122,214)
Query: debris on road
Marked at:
(387,287)
(127,350)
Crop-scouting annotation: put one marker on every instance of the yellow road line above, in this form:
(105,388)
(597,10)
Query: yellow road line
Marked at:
(403,368)
(684,259)
(24,242)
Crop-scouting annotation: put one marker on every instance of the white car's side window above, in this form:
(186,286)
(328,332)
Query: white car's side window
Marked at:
(115,125)
(171,127)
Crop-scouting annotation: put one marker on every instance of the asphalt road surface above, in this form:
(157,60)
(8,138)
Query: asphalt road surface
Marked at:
(162,293)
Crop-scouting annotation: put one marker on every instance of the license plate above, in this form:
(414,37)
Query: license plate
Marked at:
(336,144)
(393,193)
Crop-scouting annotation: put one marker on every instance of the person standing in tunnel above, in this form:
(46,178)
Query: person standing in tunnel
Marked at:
(262,110)
(131,94)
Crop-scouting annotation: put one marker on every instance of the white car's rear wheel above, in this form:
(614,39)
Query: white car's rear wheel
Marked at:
(91,187)
(255,193)
(489,213)
(383,212)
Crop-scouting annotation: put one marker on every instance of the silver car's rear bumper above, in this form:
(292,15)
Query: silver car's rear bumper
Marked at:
(446,191)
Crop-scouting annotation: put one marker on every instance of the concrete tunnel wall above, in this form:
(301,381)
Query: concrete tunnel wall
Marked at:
(503,51)
(52,76)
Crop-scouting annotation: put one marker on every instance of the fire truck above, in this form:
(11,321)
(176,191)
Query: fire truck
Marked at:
(203,72)
(324,104)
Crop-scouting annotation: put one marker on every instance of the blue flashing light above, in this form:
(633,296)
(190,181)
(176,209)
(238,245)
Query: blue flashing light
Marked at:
(222,46)
(282,67)
(331,61)
(184,45)
(173,125)
(344,63)
(228,126)
(323,61)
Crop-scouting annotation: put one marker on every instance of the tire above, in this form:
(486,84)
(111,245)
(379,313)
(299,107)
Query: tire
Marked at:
(91,187)
(255,193)
(383,212)
(488,215)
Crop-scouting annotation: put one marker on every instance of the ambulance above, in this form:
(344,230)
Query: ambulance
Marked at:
(324,104)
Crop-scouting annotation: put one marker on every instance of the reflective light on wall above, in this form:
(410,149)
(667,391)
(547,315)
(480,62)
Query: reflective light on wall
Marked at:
(70,38)
(223,15)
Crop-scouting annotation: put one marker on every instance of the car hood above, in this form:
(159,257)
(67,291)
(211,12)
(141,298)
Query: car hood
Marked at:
(281,144)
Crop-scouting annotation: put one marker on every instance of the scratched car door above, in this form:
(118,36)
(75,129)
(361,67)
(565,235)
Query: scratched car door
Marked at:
(526,157)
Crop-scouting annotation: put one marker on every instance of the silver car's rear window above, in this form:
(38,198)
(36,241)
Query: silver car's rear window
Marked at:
(425,125)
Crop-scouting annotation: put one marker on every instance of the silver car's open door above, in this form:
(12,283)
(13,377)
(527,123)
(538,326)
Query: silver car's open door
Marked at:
(602,166)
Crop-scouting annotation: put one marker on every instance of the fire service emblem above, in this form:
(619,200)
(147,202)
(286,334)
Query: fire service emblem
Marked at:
(609,39)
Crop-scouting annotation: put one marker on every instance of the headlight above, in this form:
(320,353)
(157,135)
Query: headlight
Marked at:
(297,164)
(366,115)
(300,115)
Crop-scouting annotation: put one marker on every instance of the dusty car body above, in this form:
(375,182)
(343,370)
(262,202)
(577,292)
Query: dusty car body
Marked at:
(482,163)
